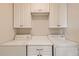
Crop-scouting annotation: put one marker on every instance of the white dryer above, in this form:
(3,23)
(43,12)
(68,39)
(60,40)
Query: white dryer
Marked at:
(63,47)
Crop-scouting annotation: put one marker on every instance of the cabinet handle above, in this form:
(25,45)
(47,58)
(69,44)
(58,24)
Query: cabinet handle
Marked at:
(39,55)
(21,25)
(58,25)
(40,10)
(39,49)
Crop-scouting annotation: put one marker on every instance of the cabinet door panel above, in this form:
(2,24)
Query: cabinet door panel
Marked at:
(18,15)
(26,16)
(39,7)
(44,50)
(22,15)
(53,17)
(63,15)
(58,16)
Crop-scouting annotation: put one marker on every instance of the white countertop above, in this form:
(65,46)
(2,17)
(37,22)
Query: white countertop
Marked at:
(64,43)
(36,40)
(59,40)
(40,40)
(16,42)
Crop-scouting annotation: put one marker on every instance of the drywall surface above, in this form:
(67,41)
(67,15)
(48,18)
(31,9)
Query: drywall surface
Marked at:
(73,22)
(6,22)
(39,25)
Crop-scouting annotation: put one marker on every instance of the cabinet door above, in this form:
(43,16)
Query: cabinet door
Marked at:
(58,16)
(53,16)
(39,50)
(22,16)
(26,16)
(39,7)
(12,50)
(62,15)
(17,15)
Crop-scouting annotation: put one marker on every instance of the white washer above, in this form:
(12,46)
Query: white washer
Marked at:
(63,47)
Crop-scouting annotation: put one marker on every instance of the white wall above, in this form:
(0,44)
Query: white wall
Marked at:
(40,25)
(73,22)
(6,22)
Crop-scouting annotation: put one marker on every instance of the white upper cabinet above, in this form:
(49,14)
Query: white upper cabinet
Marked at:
(58,16)
(62,9)
(53,16)
(22,16)
(40,7)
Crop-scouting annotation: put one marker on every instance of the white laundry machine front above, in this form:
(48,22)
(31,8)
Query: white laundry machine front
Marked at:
(63,47)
